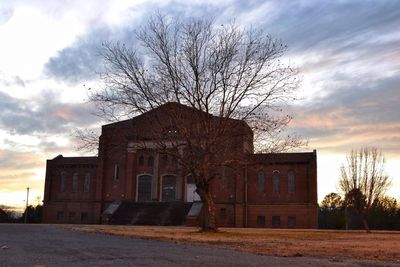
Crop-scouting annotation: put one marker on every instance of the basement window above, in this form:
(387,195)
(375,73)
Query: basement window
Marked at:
(276,221)
(291,221)
(60,216)
(222,213)
(260,220)
(71,217)
(84,217)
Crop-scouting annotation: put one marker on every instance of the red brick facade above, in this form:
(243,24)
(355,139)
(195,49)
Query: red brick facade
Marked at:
(270,190)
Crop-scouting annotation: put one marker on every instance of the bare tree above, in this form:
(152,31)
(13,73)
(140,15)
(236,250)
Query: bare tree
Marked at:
(87,140)
(232,79)
(363,180)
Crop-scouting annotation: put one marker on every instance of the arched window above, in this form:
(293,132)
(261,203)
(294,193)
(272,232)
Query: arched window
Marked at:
(144,188)
(291,184)
(150,161)
(63,181)
(168,188)
(75,182)
(86,183)
(275,181)
(141,160)
(261,182)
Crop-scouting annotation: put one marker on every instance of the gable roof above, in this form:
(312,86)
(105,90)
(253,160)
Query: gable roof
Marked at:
(169,107)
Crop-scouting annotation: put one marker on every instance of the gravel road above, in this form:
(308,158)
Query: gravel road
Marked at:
(52,245)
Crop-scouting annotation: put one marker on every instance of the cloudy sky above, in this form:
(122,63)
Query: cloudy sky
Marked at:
(348,53)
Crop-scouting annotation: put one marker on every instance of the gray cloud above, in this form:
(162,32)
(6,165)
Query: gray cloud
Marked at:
(10,160)
(333,27)
(10,81)
(346,24)
(362,114)
(45,114)
(6,12)
(79,62)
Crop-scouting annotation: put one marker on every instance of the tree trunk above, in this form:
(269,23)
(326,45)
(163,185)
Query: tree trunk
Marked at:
(209,223)
(365,223)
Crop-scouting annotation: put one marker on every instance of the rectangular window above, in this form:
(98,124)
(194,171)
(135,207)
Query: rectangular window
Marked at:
(60,216)
(261,182)
(116,172)
(84,217)
(291,221)
(71,217)
(86,183)
(75,183)
(276,221)
(63,181)
(222,213)
(260,220)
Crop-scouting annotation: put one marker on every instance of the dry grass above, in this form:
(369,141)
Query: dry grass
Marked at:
(379,245)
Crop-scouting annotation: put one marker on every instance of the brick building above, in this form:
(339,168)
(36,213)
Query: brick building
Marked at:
(131,182)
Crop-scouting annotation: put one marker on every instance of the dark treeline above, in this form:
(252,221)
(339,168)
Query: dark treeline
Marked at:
(33,213)
(384,214)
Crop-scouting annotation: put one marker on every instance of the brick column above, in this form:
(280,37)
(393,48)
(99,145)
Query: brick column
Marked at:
(131,175)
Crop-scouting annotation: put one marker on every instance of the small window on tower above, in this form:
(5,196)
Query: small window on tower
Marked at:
(116,172)
(141,160)
(165,158)
(150,161)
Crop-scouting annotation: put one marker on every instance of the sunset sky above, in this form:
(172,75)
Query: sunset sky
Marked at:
(348,53)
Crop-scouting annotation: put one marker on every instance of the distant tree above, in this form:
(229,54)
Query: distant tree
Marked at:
(332,201)
(34,214)
(384,214)
(3,216)
(363,180)
(332,215)
(219,71)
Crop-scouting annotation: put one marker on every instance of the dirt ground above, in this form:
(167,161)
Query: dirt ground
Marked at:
(378,245)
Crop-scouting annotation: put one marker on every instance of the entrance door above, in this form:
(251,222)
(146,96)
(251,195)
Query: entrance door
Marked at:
(168,188)
(144,188)
(191,195)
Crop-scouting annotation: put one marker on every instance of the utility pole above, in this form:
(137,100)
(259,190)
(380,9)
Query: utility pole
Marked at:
(26,208)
